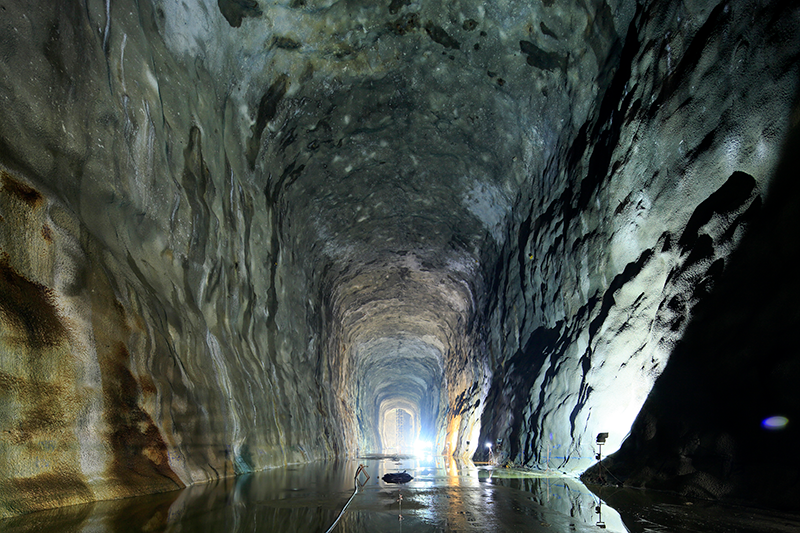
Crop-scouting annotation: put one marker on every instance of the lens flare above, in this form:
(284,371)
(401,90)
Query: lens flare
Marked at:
(422,447)
(774,423)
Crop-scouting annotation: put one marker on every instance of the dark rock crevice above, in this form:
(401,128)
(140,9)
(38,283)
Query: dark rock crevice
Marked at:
(235,11)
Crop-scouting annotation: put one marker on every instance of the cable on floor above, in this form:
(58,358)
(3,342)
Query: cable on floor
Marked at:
(361,468)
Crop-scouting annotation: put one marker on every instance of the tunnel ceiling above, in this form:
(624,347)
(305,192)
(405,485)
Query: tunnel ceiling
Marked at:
(234,234)
(398,139)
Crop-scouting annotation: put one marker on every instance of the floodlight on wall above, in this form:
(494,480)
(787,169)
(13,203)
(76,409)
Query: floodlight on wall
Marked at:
(599,511)
(601,439)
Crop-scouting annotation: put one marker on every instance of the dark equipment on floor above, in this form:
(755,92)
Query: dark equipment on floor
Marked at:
(401,477)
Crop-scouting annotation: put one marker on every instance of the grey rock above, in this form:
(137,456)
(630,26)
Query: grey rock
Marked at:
(236,235)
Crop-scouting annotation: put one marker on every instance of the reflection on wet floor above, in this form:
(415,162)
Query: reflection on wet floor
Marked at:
(445,495)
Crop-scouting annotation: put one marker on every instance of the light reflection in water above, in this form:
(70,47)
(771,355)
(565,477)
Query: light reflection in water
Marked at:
(445,495)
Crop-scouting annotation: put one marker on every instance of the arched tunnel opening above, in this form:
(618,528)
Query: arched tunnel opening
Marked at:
(399,325)
(238,236)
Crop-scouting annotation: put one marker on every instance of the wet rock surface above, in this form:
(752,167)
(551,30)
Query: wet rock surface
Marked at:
(447,495)
(237,234)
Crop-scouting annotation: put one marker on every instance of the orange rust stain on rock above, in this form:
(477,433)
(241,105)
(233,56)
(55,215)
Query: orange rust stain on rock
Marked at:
(148,386)
(46,418)
(27,194)
(28,309)
(139,457)
(50,489)
(120,309)
(70,519)
(53,409)
(47,233)
(12,383)
(140,454)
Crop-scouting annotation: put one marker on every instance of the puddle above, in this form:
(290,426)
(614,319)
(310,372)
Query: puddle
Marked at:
(445,495)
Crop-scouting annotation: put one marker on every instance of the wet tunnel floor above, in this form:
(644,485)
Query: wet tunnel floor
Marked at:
(445,495)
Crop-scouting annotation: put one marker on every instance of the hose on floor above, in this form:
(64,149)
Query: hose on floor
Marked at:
(361,468)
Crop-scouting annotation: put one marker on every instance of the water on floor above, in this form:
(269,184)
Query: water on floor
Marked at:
(445,495)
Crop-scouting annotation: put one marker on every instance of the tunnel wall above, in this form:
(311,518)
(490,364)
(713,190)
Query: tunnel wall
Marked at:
(154,332)
(703,431)
(633,225)
(175,309)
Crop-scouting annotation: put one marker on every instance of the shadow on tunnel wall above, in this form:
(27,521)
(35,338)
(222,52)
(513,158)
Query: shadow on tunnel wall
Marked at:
(700,431)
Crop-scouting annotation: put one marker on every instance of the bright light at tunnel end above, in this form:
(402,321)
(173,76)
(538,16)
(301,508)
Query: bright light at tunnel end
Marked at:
(423,447)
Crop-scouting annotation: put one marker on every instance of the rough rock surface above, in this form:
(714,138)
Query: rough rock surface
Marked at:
(701,430)
(640,213)
(235,234)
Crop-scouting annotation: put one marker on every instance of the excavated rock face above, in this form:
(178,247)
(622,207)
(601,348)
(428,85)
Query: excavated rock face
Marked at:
(609,269)
(713,425)
(240,234)
(641,212)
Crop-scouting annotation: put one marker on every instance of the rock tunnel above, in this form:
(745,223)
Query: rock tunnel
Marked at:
(241,234)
